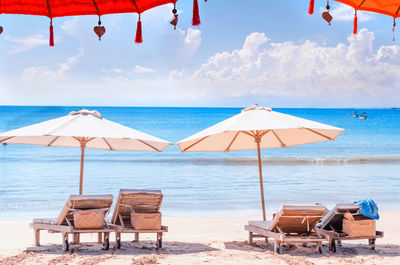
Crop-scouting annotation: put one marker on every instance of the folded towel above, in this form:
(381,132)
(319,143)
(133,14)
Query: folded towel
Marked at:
(368,208)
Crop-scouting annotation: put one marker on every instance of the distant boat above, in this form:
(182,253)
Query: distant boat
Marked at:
(363,116)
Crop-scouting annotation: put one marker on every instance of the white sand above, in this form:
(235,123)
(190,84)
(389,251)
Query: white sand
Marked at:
(193,241)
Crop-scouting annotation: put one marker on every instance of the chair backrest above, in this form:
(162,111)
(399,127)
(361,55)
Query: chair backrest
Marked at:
(299,219)
(141,201)
(82,202)
(334,218)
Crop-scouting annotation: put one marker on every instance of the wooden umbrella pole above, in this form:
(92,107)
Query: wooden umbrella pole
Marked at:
(257,139)
(83,145)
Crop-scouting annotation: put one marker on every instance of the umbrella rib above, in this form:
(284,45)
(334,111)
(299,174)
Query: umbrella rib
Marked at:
(397,10)
(134,3)
(8,138)
(190,146)
(230,144)
(52,141)
(264,133)
(62,125)
(320,134)
(97,8)
(249,134)
(149,145)
(48,8)
(279,139)
(361,4)
(109,146)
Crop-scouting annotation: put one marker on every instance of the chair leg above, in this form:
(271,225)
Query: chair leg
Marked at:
(371,242)
(65,241)
(251,238)
(319,247)
(159,240)
(106,243)
(332,245)
(99,237)
(37,237)
(118,239)
(277,246)
(137,237)
(76,238)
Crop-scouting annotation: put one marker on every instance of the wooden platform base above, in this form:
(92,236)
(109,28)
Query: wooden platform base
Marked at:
(335,238)
(280,238)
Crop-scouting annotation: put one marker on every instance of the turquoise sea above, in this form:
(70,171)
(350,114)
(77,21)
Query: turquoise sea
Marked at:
(363,162)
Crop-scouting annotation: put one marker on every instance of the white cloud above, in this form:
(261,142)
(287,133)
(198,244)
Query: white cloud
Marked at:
(346,13)
(288,74)
(193,39)
(141,70)
(26,43)
(44,75)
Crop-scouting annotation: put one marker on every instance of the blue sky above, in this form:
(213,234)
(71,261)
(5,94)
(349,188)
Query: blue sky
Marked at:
(267,52)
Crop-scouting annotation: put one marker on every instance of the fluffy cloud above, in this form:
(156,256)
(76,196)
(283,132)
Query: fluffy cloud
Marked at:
(193,39)
(26,43)
(346,13)
(270,73)
(141,70)
(44,75)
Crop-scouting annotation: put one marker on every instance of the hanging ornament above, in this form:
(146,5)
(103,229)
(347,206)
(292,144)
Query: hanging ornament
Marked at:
(394,26)
(311,7)
(174,20)
(355,23)
(51,37)
(99,30)
(196,15)
(139,38)
(326,15)
(1,29)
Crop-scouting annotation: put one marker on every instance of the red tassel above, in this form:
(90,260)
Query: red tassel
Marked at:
(311,7)
(355,24)
(51,41)
(196,15)
(139,38)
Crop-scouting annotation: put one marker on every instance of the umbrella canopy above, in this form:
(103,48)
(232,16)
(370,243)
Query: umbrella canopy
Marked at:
(53,9)
(386,7)
(255,128)
(84,129)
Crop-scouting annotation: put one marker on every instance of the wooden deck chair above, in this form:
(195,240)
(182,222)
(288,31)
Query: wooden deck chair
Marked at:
(293,224)
(331,226)
(64,223)
(140,201)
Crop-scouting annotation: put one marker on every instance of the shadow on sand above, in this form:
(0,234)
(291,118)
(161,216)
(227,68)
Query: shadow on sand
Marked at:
(347,250)
(144,252)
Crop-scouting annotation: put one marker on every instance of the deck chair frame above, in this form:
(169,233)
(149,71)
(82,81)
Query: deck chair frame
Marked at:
(333,233)
(64,223)
(122,220)
(280,237)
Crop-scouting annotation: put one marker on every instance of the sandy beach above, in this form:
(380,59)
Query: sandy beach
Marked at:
(193,240)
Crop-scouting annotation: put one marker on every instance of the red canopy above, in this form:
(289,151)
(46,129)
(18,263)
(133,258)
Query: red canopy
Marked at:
(386,7)
(61,8)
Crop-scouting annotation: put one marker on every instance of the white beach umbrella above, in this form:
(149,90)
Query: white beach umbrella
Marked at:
(255,128)
(84,129)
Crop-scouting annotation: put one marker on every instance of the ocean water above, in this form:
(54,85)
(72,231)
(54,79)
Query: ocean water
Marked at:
(363,162)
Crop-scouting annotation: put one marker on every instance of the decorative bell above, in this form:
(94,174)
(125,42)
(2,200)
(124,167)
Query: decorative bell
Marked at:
(327,17)
(174,21)
(99,30)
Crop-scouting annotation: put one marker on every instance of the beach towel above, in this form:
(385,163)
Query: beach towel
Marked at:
(368,208)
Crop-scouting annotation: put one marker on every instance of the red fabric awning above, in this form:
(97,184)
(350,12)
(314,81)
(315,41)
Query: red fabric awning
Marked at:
(61,8)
